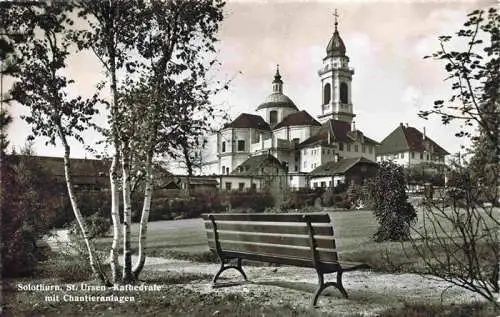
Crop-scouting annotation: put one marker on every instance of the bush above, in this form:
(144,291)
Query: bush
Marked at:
(97,226)
(392,209)
(28,212)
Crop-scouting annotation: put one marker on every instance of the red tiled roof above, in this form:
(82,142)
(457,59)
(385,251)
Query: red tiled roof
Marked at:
(297,119)
(246,120)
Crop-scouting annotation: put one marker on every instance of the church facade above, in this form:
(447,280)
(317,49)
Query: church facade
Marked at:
(300,143)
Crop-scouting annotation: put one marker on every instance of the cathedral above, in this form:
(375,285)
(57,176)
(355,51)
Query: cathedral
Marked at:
(279,138)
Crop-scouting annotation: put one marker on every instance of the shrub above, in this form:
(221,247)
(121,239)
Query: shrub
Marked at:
(27,213)
(97,226)
(392,209)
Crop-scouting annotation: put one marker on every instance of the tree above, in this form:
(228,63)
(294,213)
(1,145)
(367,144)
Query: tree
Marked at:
(177,49)
(392,209)
(110,34)
(459,239)
(42,87)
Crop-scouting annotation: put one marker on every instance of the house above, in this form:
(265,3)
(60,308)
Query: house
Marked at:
(349,171)
(298,142)
(87,174)
(258,172)
(409,147)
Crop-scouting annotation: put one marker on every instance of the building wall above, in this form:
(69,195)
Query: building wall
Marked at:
(408,159)
(349,150)
(326,181)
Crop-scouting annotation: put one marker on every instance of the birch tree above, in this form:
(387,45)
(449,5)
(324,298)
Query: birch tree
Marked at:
(110,34)
(43,88)
(177,50)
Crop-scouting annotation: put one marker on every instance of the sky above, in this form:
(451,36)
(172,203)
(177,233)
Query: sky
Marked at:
(385,42)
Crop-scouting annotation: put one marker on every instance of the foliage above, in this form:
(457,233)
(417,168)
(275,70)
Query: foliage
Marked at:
(425,173)
(28,211)
(5,120)
(392,209)
(97,226)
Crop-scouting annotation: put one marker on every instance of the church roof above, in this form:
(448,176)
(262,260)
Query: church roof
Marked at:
(298,119)
(336,46)
(277,99)
(340,167)
(252,166)
(338,131)
(246,120)
(405,138)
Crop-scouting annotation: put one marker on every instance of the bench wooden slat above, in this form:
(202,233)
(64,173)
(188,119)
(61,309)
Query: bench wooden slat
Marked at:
(326,267)
(268,217)
(269,228)
(275,250)
(326,242)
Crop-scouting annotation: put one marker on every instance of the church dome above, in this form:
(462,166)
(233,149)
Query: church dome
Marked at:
(277,99)
(336,46)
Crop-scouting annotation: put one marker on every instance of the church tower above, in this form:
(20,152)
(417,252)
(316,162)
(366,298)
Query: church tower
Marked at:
(336,78)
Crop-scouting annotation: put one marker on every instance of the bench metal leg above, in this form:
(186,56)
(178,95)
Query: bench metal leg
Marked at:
(224,267)
(323,285)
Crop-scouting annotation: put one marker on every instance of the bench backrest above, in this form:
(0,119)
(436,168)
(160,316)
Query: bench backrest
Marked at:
(296,239)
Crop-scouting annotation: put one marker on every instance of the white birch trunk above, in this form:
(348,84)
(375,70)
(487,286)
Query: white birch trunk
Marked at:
(127,215)
(115,217)
(94,264)
(146,207)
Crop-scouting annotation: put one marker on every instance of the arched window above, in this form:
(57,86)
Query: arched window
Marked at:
(223,146)
(327,93)
(273,117)
(344,93)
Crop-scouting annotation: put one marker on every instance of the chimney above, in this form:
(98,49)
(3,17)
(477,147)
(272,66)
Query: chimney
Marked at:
(424,134)
(353,125)
(407,124)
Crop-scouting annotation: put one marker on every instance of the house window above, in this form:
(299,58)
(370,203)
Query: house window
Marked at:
(228,185)
(348,147)
(330,184)
(223,146)
(427,156)
(253,186)
(356,148)
(241,186)
(370,149)
(412,155)
(227,170)
(296,168)
(305,164)
(323,184)
(341,146)
(402,155)
(421,156)
(273,117)
(364,148)
(305,152)
(241,145)
(223,169)
(315,184)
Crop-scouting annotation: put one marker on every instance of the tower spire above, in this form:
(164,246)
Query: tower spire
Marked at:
(336,15)
(277,82)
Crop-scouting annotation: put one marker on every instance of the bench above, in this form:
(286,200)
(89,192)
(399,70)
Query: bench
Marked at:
(304,240)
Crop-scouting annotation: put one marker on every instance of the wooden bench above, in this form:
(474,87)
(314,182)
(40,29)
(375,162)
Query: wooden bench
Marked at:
(304,240)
